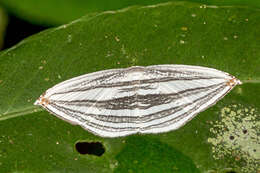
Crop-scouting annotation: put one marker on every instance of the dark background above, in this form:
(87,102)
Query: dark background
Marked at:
(18,29)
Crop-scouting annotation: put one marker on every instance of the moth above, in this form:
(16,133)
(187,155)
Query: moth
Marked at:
(151,99)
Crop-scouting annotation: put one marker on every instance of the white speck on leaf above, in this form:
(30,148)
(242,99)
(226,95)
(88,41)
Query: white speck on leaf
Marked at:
(69,38)
(203,6)
(113,164)
(109,54)
(123,50)
(117,39)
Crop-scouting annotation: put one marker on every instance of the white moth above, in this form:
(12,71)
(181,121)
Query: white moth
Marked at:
(152,99)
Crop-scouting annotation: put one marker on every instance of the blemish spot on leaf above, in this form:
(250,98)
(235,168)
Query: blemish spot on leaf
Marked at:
(134,60)
(46,79)
(182,41)
(117,39)
(203,6)
(69,38)
(43,61)
(123,50)
(184,28)
(237,136)
(113,164)
(109,54)
(231,137)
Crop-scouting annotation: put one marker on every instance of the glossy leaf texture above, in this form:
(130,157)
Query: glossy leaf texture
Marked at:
(46,12)
(224,38)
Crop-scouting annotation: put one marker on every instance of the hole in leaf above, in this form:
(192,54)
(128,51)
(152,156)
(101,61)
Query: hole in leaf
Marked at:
(92,148)
(244,131)
(231,172)
(231,137)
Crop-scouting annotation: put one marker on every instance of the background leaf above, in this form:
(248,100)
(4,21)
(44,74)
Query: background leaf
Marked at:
(3,24)
(46,12)
(225,38)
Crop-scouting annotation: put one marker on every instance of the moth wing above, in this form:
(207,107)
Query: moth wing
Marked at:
(193,96)
(83,101)
(151,99)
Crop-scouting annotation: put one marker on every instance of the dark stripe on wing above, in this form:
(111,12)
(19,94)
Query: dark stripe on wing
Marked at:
(132,102)
(134,82)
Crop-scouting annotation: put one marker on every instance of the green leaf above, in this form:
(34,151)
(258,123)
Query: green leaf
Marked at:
(46,12)
(220,139)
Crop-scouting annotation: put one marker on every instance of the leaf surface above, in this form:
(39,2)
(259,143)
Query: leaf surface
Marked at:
(46,12)
(224,38)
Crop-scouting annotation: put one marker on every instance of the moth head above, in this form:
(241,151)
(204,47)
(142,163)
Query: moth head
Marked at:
(233,81)
(42,100)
